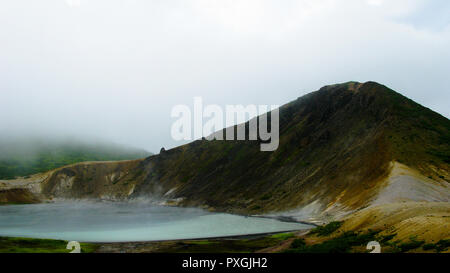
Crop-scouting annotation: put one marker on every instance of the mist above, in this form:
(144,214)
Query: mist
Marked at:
(113,70)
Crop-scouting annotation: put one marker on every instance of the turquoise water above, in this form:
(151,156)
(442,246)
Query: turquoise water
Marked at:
(119,222)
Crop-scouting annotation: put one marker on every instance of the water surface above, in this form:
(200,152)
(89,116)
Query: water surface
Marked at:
(119,222)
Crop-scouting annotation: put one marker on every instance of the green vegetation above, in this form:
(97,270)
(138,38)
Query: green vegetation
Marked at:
(440,246)
(387,238)
(298,244)
(282,236)
(412,244)
(27,245)
(227,246)
(341,244)
(442,155)
(327,229)
(266,197)
(418,129)
(26,157)
(201,242)
(428,246)
(356,242)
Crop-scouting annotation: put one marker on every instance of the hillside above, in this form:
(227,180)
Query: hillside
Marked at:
(341,149)
(414,227)
(337,146)
(25,156)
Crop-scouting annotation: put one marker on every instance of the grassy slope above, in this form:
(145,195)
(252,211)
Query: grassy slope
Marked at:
(235,245)
(27,245)
(25,157)
(419,137)
(398,227)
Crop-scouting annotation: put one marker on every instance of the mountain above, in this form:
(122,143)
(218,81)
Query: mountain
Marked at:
(24,156)
(342,148)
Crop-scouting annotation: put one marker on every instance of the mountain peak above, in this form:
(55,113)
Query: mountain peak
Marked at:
(354,86)
(337,149)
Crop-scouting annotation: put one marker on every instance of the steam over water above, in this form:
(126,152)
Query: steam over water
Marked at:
(116,222)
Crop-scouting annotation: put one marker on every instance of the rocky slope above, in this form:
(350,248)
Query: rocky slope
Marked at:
(342,148)
(427,221)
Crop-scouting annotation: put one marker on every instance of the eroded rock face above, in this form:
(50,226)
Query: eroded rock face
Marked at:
(64,185)
(405,185)
(18,196)
(95,180)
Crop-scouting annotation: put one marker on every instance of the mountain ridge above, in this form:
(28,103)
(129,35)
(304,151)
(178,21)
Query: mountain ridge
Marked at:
(28,155)
(338,148)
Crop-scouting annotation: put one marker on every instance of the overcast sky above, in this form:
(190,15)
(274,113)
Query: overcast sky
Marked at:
(114,69)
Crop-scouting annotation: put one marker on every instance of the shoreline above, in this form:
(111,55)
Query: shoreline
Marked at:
(286,219)
(227,237)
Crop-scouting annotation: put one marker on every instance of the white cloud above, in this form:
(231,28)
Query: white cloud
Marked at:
(375,2)
(73,3)
(115,68)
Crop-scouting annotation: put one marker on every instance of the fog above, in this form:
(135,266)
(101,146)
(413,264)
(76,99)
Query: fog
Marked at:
(114,69)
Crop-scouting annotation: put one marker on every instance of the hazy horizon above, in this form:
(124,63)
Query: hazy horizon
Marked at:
(113,70)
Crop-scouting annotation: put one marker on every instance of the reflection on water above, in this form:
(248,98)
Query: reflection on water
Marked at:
(114,222)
